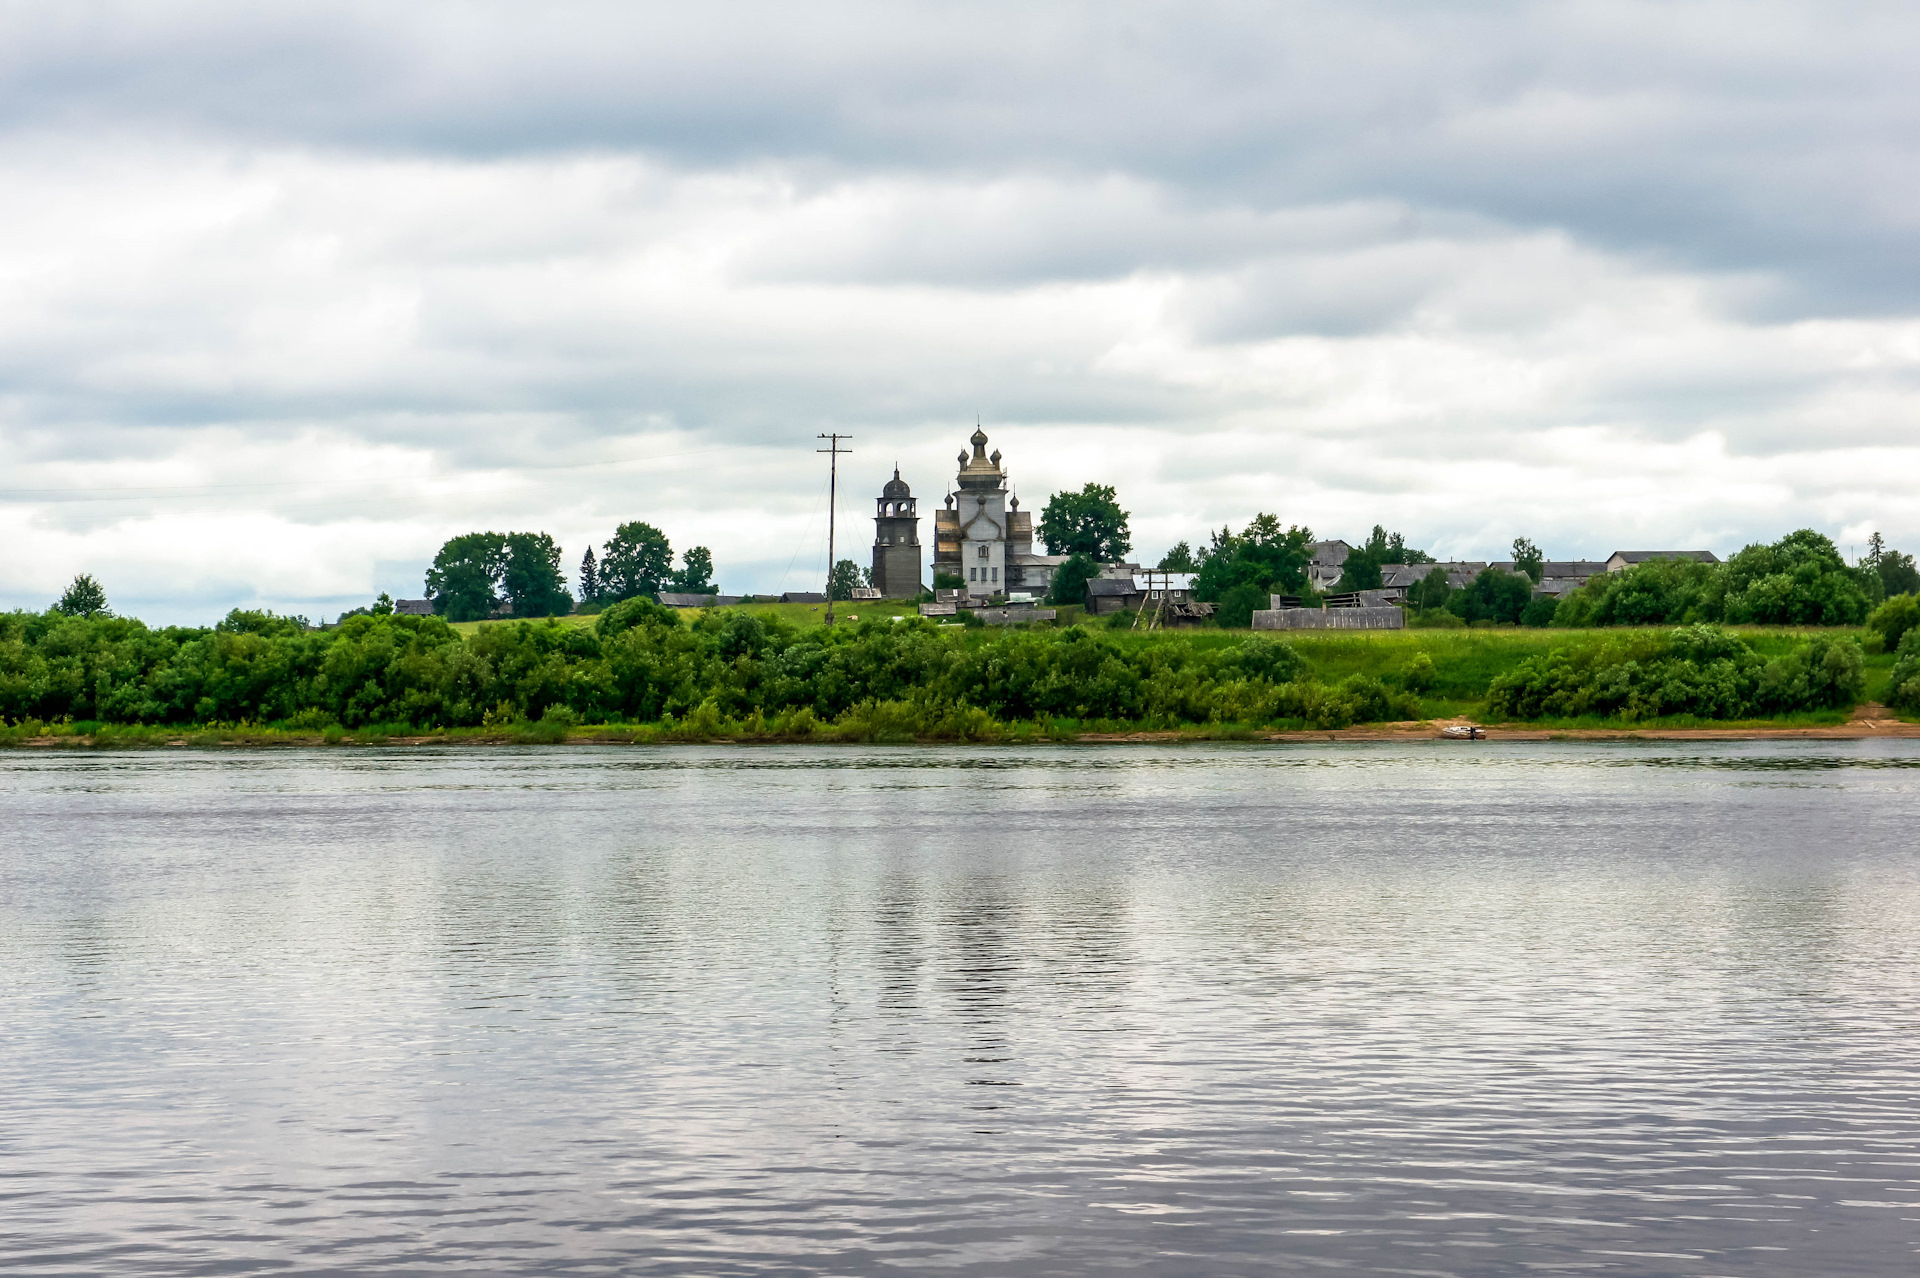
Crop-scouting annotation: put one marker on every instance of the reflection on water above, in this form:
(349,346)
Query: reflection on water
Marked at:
(1447,1009)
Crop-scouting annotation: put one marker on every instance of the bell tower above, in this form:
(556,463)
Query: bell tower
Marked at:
(896,541)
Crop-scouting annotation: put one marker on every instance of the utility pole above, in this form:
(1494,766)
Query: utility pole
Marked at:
(834,452)
(1158,621)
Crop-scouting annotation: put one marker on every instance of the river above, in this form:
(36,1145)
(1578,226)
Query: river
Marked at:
(1448,1008)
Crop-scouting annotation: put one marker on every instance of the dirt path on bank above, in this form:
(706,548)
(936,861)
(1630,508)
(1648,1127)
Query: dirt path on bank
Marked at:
(1869,720)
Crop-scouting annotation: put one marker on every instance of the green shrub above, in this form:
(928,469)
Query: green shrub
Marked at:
(1697,670)
(1238,604)
(1893,619)
(1905,693)
(637,611)
(1540,612)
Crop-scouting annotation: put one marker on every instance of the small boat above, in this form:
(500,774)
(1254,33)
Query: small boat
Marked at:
(1464,732)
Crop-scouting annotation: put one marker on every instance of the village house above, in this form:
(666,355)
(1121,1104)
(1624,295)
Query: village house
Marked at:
(1398,579)
(1136,589)
(1326,563)
(682,599)
(1620,559)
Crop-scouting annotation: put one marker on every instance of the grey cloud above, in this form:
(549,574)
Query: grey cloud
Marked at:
(1771,136)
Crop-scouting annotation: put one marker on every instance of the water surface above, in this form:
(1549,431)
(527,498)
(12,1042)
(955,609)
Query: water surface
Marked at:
(1427,1009)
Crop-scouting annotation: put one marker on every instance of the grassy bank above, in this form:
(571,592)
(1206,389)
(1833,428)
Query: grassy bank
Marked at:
(795,616)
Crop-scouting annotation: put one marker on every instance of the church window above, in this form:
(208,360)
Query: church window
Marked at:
(983,552)
(973,574)
(996,574)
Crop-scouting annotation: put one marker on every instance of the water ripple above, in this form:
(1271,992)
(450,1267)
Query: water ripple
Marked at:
(1629,1008)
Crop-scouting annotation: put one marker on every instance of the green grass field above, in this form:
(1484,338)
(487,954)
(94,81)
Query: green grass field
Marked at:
(800,616)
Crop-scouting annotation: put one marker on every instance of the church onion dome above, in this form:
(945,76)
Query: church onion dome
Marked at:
(896,487)
(979,440)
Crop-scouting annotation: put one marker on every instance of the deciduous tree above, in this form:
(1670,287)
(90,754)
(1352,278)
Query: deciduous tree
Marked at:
(1089,522)
(1494,595)
(637,560)
(696,573)
(1265,556)
(532,579)
(1432,590)
(465,576)
(1527,559)
(844,578)
(1069,584)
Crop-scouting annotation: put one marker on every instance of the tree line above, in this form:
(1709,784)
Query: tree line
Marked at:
(1799,580)
(480,575)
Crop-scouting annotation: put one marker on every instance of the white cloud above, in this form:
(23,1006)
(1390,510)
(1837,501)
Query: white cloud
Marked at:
(288,297)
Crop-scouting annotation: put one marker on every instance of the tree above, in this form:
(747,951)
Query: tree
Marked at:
(465,576)
(948,580)
(1527,559)
(1432,590)
(1663,591)
(84,597)
(1539,612)
(1179,559)
(589,578)
(1800,580)
(638,560)
(1265,556)
(843,580)
(1893,619)
(532,579)
(1238,604)
(1089,522)
(696,576)
(1492,596)
(1398,552)
(1069,585)
(1361,571)
(1897,573)
(383,606)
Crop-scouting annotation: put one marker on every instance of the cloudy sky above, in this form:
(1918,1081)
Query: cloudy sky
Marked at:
(291,293)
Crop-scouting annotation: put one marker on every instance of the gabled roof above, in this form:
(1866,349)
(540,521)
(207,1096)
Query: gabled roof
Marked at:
(681,599)
(1111,586)
(1408,574)
(1641,556)
(1329,552)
